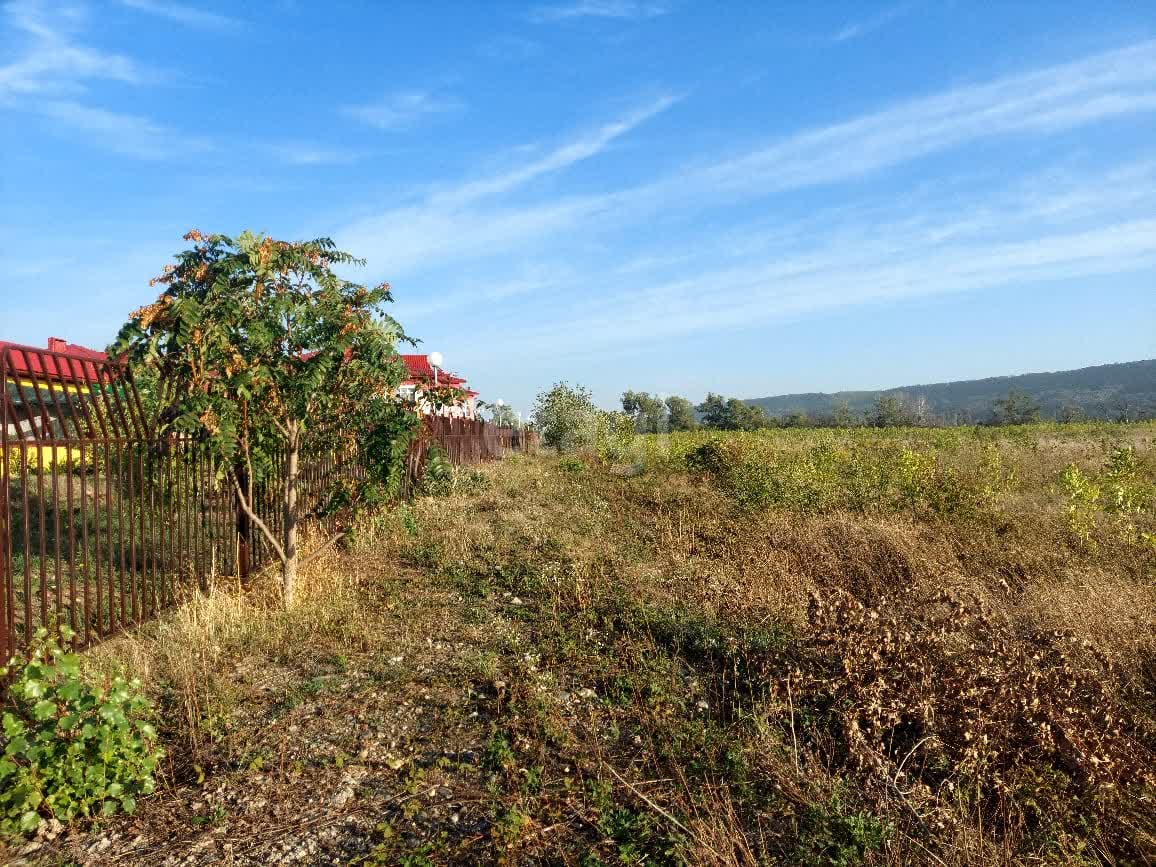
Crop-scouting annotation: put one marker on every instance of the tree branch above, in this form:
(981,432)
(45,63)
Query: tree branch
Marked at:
(325,546)
(255,518)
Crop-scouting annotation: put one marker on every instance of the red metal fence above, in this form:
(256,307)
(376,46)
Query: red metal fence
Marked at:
(103,523)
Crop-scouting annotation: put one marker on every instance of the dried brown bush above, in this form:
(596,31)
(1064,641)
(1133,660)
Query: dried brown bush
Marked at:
(932,704)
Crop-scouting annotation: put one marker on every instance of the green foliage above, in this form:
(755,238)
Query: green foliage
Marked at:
(253,336)
(828,476)
(1018,407)
(714,412)
(567,417)
(732,414)
(438,478)
(572,464)
(834,838)
(499,754)
(842,415)
(647,411)
(615,436)
(638,837)
(1083,504)
(259,348)
(680,414)
(71,748)
(889,410)
(502,416)
(1109,392)
(1122,493)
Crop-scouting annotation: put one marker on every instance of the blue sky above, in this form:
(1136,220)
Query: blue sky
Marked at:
(671,196)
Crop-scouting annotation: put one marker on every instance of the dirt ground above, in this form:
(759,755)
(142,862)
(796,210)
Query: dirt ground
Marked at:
(350,758)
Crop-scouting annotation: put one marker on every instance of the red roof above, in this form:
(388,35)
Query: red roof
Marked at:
(33,360)
(420,370)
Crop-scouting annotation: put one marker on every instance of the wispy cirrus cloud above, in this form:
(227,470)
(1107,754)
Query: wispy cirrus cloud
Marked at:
(855,264)
(620,9)
(126,134)
(1039,103)
(402,109)
(52,61)
(472,219)
(864,26)
(457,221)
(956,235)
(582,147)
(299,153)
(182,13)
(55,71)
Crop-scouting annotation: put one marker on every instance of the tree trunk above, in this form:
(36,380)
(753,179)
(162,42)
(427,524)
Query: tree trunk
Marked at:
(289,567)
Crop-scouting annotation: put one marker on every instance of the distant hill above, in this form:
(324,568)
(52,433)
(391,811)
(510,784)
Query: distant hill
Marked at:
(1111,391)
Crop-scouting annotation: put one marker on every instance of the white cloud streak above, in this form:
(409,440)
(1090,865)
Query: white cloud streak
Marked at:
(181,13)
(449,225)
(308,154)
(402,110)
(475,220)
(53,74)
(582,148)
(1012,232)
(857,29)
(824,277)
(1046,101)
(52,63)
(125,134)
(615,9)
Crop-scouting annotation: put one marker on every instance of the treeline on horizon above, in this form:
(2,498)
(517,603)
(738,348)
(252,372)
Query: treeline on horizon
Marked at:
(653,414)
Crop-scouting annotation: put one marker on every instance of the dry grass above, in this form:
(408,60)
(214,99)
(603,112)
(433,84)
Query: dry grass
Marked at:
(624,667)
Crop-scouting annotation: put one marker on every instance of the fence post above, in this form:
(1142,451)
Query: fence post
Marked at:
(6,578)
(243,534)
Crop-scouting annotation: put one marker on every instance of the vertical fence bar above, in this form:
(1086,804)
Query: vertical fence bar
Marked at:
(7,577)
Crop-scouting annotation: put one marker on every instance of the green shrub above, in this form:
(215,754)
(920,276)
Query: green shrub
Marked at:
(832,837)
(438,478)
(1121,496)
(615,437)
(1083,504)
(572,464)
(71,748)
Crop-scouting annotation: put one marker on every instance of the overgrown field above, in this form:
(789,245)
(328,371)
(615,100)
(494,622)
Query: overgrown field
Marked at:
(880,647)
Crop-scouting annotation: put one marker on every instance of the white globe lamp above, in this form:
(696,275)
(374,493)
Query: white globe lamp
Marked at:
(435,361)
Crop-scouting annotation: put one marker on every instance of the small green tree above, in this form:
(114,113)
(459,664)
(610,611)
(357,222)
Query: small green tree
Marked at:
(732,414)
(566,417)
(795,419)
(502,416)
(746,416)
(841,415)
(1018,407)
(258,344)
(680,413)
(715,412)
(888,410)
(648,411)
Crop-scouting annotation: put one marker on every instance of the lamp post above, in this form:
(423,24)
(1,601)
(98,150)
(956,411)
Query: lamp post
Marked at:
(498,414)
(435,361)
